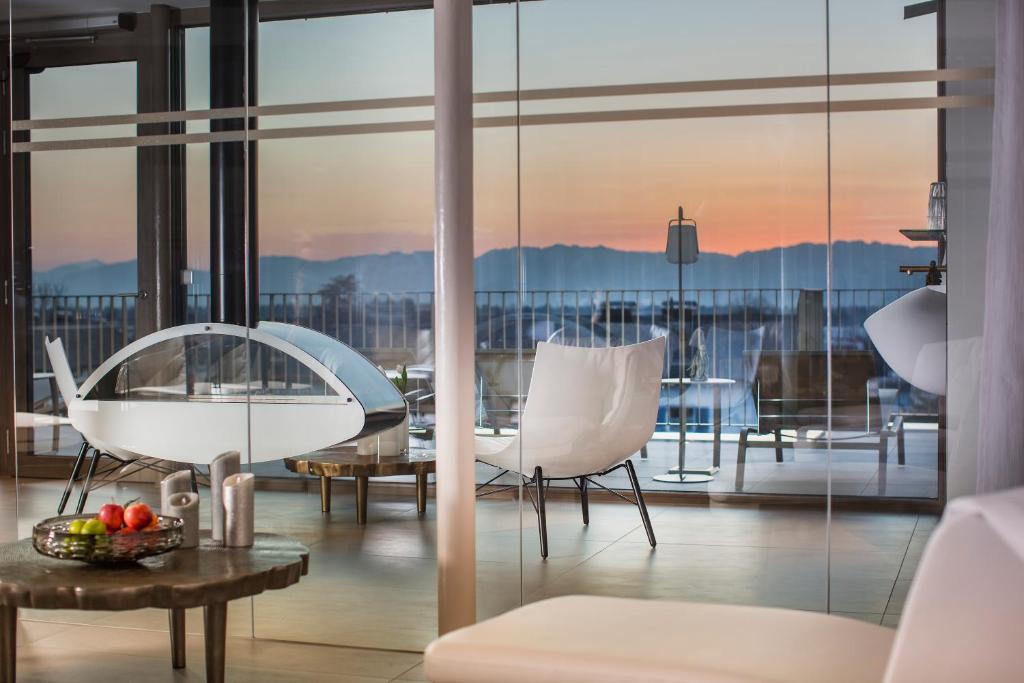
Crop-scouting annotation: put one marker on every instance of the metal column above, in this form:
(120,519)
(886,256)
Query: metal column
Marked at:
(234,253)
(162,254)
(453,282)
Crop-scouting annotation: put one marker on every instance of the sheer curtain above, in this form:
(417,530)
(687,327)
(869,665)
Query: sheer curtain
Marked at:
(1001,438)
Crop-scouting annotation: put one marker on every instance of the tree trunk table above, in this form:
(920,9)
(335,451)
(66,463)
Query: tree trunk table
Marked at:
(208,576)
(344,461)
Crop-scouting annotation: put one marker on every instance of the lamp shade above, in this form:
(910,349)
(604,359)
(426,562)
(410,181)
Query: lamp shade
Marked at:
(682,244)
(910,335)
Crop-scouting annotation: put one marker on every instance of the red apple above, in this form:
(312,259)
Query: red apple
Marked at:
(112,515)
(138,516)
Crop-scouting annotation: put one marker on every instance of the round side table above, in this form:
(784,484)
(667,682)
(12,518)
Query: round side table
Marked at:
(208,576)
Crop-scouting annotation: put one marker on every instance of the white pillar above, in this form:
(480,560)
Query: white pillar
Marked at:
(454,311)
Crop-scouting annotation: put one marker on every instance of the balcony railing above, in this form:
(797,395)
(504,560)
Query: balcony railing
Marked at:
(397,327)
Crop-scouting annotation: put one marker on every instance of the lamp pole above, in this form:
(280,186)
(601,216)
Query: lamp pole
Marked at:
(682,248)
(682,349)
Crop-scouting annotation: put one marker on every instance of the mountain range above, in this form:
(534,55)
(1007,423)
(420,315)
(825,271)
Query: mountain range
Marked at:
(558,267)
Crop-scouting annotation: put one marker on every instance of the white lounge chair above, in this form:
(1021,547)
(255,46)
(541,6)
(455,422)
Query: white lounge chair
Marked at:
(963,621)
(588,411)
(189,393)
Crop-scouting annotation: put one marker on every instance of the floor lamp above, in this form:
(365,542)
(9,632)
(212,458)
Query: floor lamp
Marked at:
(682,249)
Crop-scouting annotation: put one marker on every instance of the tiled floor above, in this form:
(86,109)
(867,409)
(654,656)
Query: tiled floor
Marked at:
(53,652)
(369,606)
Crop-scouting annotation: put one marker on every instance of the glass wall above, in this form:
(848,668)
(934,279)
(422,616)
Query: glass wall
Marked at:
(346,251)
(713,418)
(70,205)
(112,205)
(626,127)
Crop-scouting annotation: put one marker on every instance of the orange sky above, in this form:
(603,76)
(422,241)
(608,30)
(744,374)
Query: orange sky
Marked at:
(751,182)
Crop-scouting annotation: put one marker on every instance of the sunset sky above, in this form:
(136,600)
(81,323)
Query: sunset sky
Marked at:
(751,182)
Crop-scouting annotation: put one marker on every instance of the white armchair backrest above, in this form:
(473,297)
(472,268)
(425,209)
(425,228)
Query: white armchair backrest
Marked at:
(590,408)
(964,616)
(61,370)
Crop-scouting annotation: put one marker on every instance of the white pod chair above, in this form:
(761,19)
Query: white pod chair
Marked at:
(192,392)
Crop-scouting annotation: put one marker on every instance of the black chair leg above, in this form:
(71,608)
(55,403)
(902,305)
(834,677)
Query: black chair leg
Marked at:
(195,483)
(73,479)
(901,447)
(88,480)
(640,503)
(778,444)
(542,521)
(584,500)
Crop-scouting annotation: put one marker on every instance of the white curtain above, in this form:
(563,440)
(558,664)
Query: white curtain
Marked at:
(1001,424)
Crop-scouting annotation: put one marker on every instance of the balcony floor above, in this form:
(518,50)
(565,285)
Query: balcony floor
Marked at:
(805,471)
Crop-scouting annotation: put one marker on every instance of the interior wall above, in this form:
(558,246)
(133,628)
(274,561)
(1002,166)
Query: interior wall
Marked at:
(969,31)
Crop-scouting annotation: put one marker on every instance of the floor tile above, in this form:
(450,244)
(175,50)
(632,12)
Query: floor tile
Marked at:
(372,590)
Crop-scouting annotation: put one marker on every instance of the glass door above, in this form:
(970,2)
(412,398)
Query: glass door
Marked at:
(76,258)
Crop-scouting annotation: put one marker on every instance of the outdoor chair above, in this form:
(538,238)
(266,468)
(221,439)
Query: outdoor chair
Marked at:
(791,392)
(588,411)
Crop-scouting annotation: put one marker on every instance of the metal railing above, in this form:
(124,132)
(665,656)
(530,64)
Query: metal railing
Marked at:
(397,327)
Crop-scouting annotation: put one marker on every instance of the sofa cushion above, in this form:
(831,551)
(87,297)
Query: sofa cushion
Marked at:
(617,640)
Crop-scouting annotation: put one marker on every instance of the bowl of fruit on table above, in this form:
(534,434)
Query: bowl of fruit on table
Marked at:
(115,534)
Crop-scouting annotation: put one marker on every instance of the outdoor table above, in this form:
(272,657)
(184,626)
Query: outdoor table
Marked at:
(208,576)
(716,384)
(344,461)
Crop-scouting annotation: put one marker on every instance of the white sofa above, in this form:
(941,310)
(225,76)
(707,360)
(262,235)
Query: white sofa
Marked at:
(963,621)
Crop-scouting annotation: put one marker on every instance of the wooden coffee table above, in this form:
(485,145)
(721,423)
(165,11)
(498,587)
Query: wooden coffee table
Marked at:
(208,576)
(343,461)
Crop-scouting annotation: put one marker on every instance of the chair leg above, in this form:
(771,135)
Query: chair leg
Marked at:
(778,444)
(741,453)
(901,448)
(644,515)
(73,479)
(585,500)
(741,458)
(542,521)
(88,480)
(643,452)
(192,475)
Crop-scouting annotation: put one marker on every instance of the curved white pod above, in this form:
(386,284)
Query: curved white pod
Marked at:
(910,335)
(191,392)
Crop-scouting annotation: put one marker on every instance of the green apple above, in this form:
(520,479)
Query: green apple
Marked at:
(76,526)
(95,527)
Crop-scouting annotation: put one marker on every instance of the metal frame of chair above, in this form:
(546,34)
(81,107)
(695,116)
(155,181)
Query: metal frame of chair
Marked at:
(119,465)
(537,486)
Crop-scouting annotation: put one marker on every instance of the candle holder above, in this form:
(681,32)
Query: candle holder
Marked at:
(185,505)
(221,467)
(239,509)
(175,482)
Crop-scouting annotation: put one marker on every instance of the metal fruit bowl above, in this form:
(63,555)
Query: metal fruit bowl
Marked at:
(51,537)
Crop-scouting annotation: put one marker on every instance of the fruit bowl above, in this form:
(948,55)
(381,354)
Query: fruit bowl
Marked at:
(51,537)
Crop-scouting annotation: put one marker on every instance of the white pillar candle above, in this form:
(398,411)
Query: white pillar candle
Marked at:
(176,482)
(185,505)
(239,509)
(221,467)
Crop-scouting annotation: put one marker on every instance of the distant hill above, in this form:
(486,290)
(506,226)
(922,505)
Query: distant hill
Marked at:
(801,266)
